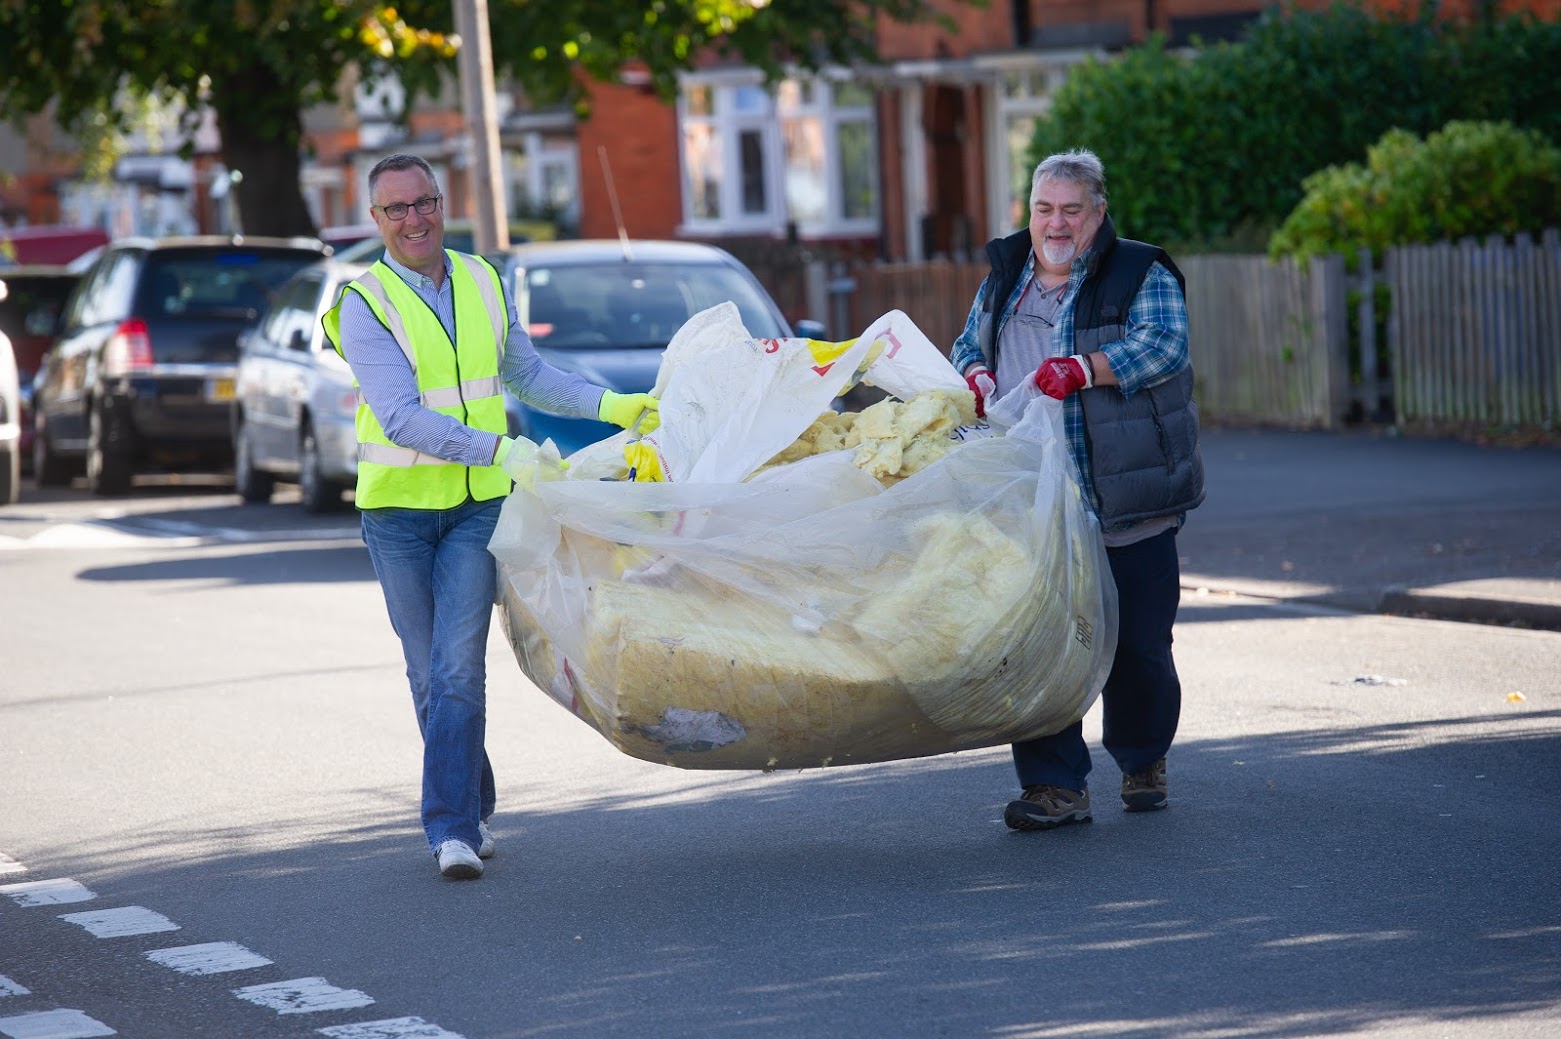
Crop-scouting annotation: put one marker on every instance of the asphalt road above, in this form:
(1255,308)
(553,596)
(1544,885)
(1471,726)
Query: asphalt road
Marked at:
(202,717)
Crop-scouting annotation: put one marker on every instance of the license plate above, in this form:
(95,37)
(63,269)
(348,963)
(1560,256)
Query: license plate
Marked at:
(219,389)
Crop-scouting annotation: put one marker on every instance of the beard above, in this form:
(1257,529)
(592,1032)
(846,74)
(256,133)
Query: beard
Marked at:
(1059,252)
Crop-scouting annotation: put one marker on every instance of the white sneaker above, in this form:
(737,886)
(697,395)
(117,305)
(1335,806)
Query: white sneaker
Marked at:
(457,861)
(486,849)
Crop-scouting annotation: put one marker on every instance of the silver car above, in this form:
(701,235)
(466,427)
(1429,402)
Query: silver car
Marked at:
(293,398)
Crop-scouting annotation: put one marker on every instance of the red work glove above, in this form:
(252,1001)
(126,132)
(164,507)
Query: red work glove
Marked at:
(1059,376)
(979,379)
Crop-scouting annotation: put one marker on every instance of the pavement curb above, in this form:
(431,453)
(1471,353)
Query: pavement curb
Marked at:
(1394,600)
(1405,602)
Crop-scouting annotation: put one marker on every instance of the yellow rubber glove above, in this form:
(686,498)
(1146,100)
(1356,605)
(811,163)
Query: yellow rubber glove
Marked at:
(624,409)
(526,463)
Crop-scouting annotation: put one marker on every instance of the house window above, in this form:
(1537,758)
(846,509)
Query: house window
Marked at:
(541,170)
(755,161)
(1023,96)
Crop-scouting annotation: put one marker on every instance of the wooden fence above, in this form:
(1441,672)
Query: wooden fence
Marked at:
(1473,331)
(1269,339)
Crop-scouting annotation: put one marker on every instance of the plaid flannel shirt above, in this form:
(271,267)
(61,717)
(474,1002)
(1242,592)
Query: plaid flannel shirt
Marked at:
(1154,349)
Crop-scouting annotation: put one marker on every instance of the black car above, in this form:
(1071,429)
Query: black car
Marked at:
(142,375)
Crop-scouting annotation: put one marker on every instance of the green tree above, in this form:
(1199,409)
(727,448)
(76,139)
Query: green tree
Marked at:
(258,64)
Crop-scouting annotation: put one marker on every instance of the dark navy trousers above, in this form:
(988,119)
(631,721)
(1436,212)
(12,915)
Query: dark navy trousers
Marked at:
(1142,699)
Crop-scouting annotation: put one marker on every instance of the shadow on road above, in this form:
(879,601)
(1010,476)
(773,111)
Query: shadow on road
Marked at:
(270,566)
(1320,882)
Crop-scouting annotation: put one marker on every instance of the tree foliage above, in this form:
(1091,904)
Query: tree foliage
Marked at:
(1469,178)
(258,63)
(1200,146)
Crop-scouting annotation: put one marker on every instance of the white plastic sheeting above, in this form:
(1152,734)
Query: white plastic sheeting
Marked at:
(808,615)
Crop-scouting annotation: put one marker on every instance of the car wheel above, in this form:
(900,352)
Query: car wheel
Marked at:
(10,474)
(253,486)
(49,469)
(108,465)
(319,494)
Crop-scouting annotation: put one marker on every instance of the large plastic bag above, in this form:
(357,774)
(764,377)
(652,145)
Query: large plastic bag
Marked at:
(805,614)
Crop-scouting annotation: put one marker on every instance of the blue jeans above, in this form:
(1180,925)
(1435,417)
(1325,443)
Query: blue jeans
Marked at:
(1142,699)
(439,582)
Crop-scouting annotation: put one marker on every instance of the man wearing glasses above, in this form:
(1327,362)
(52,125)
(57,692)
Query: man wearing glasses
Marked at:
(432,339)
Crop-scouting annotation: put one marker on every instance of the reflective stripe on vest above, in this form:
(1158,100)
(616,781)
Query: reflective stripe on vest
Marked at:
(462,382)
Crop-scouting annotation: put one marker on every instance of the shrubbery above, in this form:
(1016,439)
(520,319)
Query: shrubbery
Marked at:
(1470,178)
(1200,147)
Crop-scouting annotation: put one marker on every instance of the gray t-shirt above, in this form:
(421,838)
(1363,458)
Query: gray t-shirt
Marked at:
(1030,335)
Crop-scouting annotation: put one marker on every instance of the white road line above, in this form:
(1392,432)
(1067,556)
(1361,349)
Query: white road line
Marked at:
(94,535)
(397,1028)
(9,865)
(303,996)
(46,892)
(117,923)
(11,988)
(163,534)
(53,1024)
(210,958)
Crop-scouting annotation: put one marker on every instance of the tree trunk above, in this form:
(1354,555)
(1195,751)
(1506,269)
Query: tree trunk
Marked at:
(258,117)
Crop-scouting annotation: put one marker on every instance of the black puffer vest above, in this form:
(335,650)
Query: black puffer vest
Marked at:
(1143,450)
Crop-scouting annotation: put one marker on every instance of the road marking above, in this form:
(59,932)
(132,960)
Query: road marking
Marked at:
(209,958)
(46,892)
(9,865)
(118,923)
(396,1028)
(11,988)
(122,533)
(303,996)
(90,535)
(53,1024)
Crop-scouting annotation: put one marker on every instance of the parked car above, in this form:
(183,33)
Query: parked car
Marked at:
(345,236)
(32,304)
(294,402)
(142,374)
(607,311)
(10,427)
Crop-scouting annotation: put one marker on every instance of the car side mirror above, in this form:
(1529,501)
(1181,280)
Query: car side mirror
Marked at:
(299,341)
(807,328)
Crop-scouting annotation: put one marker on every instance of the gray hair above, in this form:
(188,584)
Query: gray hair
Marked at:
(1077,167)
(400,161)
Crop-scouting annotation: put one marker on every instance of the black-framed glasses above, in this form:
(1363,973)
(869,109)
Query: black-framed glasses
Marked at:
(398,210)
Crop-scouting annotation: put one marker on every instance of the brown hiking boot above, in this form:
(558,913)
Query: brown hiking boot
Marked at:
(1046,807)
(1144,790)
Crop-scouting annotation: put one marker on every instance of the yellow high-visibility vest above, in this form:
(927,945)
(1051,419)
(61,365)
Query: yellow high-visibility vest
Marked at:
(459,379)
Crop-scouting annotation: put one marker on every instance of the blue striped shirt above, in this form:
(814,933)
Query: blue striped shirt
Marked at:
(1154,349)
(390,387)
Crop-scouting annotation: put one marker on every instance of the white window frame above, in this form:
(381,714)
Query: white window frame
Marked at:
(536,157)
(1039,78)
(729,124)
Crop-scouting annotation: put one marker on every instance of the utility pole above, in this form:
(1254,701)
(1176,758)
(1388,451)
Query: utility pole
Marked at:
(490,231)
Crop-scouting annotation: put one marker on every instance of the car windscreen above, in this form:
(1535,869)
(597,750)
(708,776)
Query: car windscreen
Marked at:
(617,304)
(229,283)
(33,302)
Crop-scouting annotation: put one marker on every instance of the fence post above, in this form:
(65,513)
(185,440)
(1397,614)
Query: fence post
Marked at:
(815,292)
(1370,399)
(840,287)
